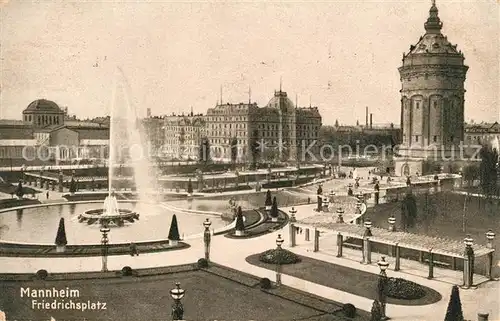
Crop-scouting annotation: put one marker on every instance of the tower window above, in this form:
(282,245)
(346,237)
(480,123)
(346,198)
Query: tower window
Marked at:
(435,104)
(416,138)
(435,138)
(418,105)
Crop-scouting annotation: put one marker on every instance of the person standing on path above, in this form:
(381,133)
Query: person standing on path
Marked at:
(47,194)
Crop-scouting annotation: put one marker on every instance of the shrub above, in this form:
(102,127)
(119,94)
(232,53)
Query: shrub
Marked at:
(202,263)
(376,312)
(268,201)
(265,283)
(349,310)
(42,274)
(273,256)
(454,311)
(240,226)
(173,234)
(127,271)
(403,289)
(274,208)
(61,234)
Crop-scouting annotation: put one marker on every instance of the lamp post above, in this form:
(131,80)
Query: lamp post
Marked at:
(340,213)
(293,211)
(326,203)
(332,194)
(468,262)
(382,285)
(490,236)
(358,207)
(104,242)
(392,223)
(279,242)
(368,226)
(177,309)
(206,238)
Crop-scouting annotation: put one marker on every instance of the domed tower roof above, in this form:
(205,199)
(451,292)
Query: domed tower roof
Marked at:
(43,105)
(433,41)
(281,100)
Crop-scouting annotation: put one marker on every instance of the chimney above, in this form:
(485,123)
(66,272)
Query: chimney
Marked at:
(148,112)
(366,117)
(371,120)
(482,316)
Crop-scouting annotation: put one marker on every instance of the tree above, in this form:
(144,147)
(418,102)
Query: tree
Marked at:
(72,186)
(254,148)
(376,312)
(61,234)
(234,150)
(173,234)
(269,200)
(274,209)
(190,187)
(336,123)
(204,151)
(19,190)
(408,210)
(240,226)
(470,174)
(454,311)
(488,170)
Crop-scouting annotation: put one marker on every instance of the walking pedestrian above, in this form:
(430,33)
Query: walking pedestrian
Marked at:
(47,194)
(133,250)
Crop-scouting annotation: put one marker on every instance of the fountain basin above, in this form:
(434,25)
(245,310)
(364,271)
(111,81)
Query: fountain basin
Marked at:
(100,216)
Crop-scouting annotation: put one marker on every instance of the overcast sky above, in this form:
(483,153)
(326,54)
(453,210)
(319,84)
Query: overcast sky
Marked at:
(342,56)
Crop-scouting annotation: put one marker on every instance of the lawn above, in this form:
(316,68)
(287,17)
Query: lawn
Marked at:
(342,278)
(442,215)
(213,294)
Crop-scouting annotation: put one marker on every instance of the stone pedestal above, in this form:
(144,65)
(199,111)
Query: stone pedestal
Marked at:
(292,234)
(316,240)
(367,255)
(340,243)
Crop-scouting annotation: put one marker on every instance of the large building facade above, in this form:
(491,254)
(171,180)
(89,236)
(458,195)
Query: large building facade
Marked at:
(183,135)
(432,97)
(280,131)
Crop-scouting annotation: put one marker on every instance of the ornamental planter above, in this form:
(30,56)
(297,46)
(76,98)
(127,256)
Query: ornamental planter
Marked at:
(60,248)
(173,242)
(274,219)
(239,233)
(268,207)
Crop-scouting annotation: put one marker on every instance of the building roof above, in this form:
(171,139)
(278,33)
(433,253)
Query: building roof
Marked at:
(43,105)
(14,123)
(483,127)
(83,124)
(433,41)
(281,100)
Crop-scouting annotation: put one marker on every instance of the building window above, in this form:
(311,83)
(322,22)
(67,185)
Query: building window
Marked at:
(418,105)
(435,138)
(416,138)
(435,104)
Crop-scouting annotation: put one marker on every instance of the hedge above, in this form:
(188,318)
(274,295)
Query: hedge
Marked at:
(281,256)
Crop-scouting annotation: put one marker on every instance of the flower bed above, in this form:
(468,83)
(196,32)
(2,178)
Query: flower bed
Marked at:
(281,256)
(403,289)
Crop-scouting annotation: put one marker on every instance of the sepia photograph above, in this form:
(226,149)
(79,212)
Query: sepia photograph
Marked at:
(232,160)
